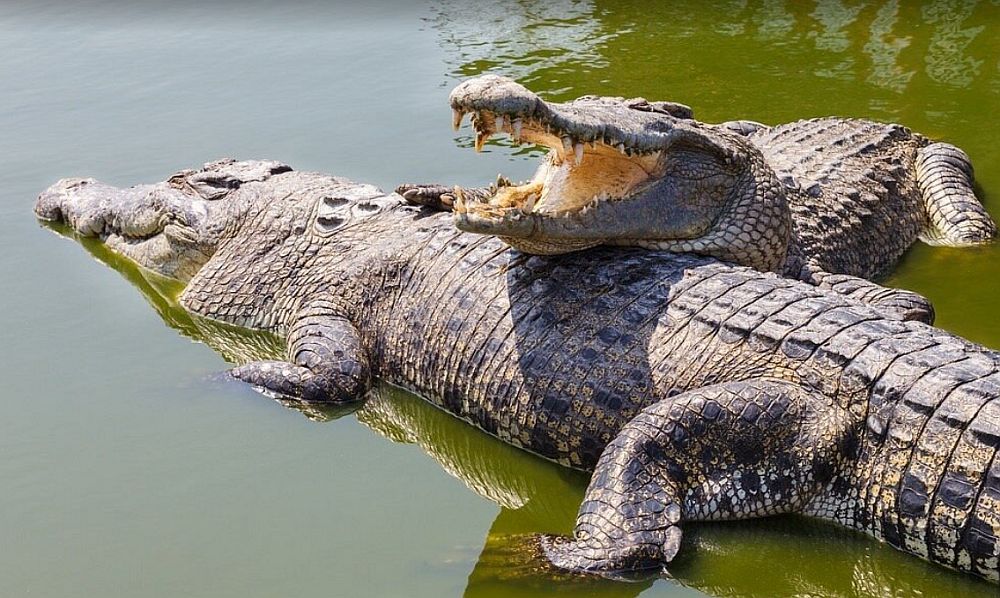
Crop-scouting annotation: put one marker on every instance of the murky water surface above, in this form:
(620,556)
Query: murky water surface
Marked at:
(128,471)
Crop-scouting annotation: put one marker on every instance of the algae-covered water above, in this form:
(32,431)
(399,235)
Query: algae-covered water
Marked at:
(127,468)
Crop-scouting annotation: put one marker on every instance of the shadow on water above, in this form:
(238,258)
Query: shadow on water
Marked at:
(782,556)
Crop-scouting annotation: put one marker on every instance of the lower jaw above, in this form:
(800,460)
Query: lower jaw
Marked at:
(562,186)
(540,247)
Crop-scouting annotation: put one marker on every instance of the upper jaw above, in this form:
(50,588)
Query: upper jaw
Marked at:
(185,207)
(172,227)
(93,208)
(155,226)
(499,104)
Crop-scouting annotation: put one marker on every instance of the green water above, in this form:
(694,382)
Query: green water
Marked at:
(128,469)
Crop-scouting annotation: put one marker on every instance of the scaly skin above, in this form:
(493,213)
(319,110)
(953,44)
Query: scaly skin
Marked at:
(693,389)
(828,201)
(861,193)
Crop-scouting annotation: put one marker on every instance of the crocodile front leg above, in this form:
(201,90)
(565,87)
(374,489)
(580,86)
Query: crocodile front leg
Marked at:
(442,197)
(729,451)
(326,362)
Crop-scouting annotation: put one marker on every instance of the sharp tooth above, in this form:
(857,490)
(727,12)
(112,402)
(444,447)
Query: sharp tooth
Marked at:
(529,203)
(481,137)
(578,152)
(516,129)
(620,147)
(499,122)
(567,142)
(459,204)
(456,118)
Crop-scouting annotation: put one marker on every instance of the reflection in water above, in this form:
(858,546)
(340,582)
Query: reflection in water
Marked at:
(729,27)
(786,556)
(551,45)
(534,496)
(494,470)
(835,17)
(774,21)
(518,37)
(884,49)
(946,59)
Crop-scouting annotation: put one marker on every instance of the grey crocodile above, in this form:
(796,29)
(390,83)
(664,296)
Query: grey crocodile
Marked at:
(532,495)
(828,201)
(693,389)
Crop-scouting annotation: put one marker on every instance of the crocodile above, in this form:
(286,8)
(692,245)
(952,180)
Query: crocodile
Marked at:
(829,201)
(533,495)
(692,389)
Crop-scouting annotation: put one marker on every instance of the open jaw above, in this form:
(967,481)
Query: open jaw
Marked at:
(601,151)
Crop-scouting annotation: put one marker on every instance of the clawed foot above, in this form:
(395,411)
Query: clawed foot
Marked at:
(317,411)
(647,552)
(438,197)
(281,380)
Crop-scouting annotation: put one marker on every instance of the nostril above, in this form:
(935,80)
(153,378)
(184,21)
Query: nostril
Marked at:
(47,206)
(71,184)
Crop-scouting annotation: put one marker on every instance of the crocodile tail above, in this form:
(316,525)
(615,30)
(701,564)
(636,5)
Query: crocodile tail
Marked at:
(955,216)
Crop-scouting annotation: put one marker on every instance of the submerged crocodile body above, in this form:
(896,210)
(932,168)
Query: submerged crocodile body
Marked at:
(693,389)
(827,201)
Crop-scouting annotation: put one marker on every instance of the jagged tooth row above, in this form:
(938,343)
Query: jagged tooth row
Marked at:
(513,125)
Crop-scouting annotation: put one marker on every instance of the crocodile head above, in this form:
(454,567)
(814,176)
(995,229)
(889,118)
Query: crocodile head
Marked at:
(626,172)
(172,227)
(246,240)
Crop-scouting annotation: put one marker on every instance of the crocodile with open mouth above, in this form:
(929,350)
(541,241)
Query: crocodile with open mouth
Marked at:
(829,201)
(693,389)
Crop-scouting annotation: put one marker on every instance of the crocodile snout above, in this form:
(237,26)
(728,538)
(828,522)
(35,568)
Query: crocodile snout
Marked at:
(49,204)
(73,201)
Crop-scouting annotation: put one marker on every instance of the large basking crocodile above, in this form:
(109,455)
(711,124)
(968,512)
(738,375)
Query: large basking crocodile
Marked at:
(724,559)
(827,201)
(692,389)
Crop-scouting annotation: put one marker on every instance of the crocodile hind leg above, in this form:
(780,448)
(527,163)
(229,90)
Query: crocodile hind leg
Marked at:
(326,362)
(729,451)
(944,174)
